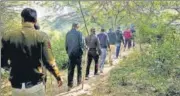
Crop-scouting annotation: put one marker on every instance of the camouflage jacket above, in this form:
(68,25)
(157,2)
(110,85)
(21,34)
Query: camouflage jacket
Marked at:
(23,50)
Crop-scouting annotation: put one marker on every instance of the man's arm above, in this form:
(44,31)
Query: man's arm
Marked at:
(108,44)
(66,45)
(81,41)
(4,56)
(121,36)
(48,58)
(98,45)
(86,42)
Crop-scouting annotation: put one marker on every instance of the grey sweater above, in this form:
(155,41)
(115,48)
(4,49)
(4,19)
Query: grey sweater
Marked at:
(92,42)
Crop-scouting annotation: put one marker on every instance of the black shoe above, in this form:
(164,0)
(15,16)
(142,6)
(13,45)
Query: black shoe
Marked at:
(79,83)
(87,78)
(69,88)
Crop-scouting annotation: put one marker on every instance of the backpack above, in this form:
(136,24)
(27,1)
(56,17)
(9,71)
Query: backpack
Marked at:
(127,34)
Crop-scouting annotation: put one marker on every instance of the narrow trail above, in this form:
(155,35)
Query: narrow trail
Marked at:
(89,85)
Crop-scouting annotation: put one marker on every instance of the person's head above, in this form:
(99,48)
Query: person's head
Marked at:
(29,15)
(118,28)
(110,30)
(132,26)
(102,30)
(93,30)
(75,26)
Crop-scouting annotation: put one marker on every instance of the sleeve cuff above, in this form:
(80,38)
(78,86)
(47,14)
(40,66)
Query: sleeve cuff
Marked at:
(58,78)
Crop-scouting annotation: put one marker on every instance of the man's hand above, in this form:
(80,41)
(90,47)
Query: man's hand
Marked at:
(99,52)
(59,83)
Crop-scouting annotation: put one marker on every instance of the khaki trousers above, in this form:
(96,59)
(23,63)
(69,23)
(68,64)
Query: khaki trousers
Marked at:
(112,47)
(37,90)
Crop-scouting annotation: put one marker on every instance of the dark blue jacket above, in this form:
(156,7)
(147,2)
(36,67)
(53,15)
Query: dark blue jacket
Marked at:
(112,37)
(74,43)
(103,39)
(119,36)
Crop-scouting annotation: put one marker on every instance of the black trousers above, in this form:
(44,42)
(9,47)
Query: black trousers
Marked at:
(73,61)
(92,54)
(127,42)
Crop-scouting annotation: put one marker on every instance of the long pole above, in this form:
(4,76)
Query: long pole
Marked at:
(83,17)
(83,75)
(0,46)
(0,52)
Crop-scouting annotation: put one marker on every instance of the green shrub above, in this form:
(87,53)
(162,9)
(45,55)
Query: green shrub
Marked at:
(58,47)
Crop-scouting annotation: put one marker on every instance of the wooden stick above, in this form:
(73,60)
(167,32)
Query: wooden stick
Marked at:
(85,60)
(0,52)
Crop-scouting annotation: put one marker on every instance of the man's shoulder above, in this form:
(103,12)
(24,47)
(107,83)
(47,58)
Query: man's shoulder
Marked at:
(74,32)
(11,34)
(41,33)
(103,34)
(42,36)
(99,34)
(94,36)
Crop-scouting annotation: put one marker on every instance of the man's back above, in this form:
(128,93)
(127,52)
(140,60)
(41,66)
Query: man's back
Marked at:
(23,47)
(92,41)
(103,39)
(25,52)
(74,43)
(127,34)
(112,37)
(119,37)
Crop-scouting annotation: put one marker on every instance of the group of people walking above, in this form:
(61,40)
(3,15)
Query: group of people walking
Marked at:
(25,53)
(97,46)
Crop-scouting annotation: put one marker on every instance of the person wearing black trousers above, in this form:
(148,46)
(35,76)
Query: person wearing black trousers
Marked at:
(92,42)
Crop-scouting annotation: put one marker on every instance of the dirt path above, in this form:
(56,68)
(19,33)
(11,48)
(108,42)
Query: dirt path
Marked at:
(89,85)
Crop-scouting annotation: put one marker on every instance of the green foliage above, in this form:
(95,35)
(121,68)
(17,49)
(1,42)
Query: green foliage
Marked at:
(58,48)
(156,66)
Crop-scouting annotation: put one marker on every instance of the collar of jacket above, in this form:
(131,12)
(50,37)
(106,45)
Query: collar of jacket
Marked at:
(73,29)
(28,24)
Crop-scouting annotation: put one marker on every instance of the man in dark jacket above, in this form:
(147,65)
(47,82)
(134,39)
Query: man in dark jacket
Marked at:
(74,47)
(119,39)
(92,42)
(26,49)
(112,41)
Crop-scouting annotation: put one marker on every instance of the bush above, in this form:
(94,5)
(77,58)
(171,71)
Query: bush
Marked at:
(58,48)
(155,66)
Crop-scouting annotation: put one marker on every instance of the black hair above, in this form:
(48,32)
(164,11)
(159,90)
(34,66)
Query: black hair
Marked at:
(74,25)
(102,30)
(29,15)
